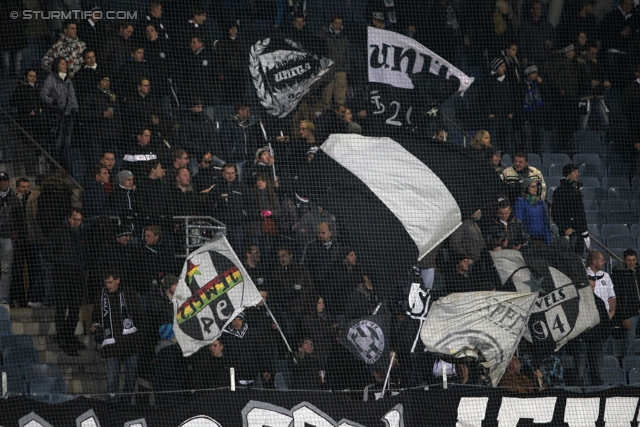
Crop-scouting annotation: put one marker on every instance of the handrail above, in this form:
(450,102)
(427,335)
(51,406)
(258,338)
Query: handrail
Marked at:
(606,249)
(38,146)
(453,122)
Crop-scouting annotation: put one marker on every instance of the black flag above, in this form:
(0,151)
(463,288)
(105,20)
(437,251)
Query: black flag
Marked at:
(368,339)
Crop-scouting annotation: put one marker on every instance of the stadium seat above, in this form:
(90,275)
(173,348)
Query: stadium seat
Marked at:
(41,389)
(597,171)
(15,381)
(590,181)
(634,377)
(630,363)
(556,170)
(635,182)
(613,229)
(279,382)
(592,193)
(618,169)
(609,362)
(589,142)
(550,191)
(635,205)
(588,159)
(506,160)
(594,230)
(635,231)
(622,193)
(594,217)
(556,158)
(621,241)
(20,356)
(10,341)
(5,327)
(554,181)
(636,346)
(614,181)
(614,205)
(40,370)
(616,376)
(591,205)
(622,217)
(534,159)
(4,313)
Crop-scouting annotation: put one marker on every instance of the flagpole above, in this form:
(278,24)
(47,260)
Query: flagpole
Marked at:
(386,380)
(279,330)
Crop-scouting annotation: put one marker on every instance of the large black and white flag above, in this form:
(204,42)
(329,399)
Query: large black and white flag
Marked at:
(405,78)
(398,200)
(283,72)
(565,306)
(483,326)
(368,339)
(213,289)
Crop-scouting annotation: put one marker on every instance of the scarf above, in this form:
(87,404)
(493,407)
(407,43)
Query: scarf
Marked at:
(127,323)
(532,199)
(62,76)
(335,33)
(327,245)
(4,194)
(240,333)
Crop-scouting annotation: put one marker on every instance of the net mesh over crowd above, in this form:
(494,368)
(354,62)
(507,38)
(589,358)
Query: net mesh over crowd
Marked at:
(319,213)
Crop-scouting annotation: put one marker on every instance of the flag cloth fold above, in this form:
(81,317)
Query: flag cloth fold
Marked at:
(212,290)
(486,326)
(283,72)
(397,197)
(565,306)
(367,339)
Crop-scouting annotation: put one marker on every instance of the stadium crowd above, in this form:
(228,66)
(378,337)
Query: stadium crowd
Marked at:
(156,119)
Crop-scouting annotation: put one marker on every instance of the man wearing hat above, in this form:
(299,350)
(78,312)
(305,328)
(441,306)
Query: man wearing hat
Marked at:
(535,108)
(499,106)
(568,211)
(565,81)
(100,117)
(264,163)
(12,228)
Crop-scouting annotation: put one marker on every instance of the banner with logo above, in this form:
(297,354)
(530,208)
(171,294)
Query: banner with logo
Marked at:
(368,339)
(407,80)
(457,406)
(283,72)
(483,326)
(565,305)
(213,289)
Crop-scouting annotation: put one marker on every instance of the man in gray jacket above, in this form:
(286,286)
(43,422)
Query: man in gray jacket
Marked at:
(337,49)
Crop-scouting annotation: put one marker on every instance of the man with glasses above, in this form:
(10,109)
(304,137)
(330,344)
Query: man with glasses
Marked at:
(65,250)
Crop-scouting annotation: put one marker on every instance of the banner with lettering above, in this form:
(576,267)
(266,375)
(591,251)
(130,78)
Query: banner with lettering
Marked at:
(483,326)
(407,80)
(459,405)
(565,306)
(213,289)
(283,72)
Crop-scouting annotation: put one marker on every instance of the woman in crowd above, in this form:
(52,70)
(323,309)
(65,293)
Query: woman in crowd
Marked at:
(60,95)
(531,211)
(321,327)
(308,373)
(263,214)
(349,125)
(26,100)
(514,380)
(481,141)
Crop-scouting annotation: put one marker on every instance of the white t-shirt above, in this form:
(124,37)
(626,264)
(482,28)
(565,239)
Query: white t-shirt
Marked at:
(604,286)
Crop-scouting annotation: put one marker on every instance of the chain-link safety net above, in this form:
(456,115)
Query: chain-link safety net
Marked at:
(319,213)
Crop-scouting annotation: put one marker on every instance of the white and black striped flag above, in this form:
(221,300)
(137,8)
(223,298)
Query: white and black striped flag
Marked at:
(399,201)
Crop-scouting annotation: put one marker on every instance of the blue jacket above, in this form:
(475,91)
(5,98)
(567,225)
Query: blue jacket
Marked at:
(95,202)
(534,218)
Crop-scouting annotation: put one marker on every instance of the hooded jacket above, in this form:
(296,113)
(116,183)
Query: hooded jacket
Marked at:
(533,215)
(514,178)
